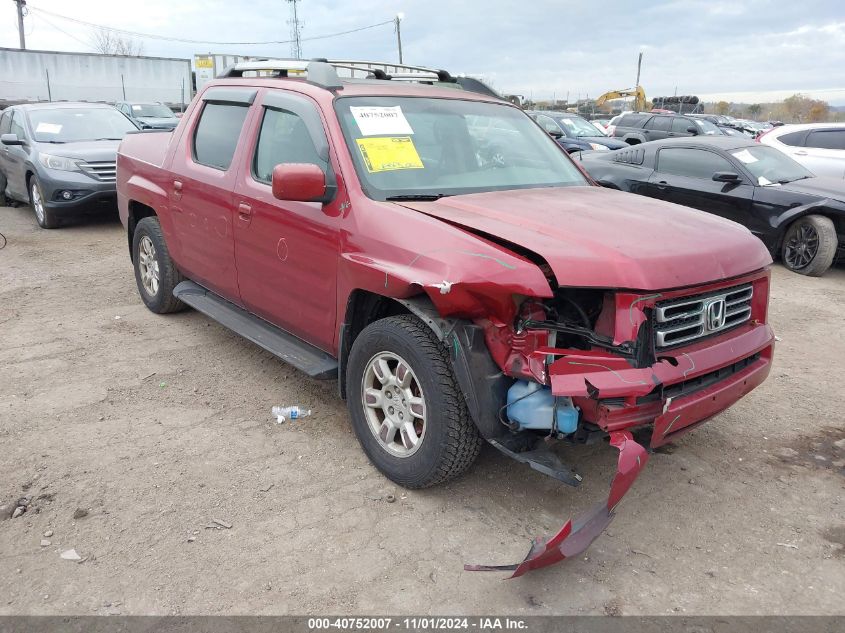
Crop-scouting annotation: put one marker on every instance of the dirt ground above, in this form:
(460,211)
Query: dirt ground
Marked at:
(154,426)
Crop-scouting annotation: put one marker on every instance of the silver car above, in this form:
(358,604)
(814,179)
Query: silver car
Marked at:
(60,157)
(820,147)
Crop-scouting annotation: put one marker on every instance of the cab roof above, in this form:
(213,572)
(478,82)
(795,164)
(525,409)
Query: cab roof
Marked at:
(319,76)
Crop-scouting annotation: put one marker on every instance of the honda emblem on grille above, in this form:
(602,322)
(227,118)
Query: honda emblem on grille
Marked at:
(715,313)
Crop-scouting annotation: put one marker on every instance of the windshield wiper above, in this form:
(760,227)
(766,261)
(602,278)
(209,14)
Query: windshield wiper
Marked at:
(788,180)
(418,196)
(53,142)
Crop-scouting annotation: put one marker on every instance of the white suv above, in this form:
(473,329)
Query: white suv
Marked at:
(820,147)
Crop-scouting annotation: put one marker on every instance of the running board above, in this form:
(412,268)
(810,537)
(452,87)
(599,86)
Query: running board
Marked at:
(305,357)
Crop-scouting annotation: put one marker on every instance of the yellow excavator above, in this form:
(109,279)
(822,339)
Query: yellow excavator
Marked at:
(638,93)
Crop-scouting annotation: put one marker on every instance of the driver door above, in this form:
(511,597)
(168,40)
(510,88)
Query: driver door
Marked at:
(286,252)
(685,176)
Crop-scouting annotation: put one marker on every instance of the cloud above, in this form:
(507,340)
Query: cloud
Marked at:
(539,48)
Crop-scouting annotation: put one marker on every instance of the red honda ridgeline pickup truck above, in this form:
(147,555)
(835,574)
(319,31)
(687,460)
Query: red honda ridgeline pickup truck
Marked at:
(441,256)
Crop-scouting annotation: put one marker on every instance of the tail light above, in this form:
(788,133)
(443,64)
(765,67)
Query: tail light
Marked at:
(762,134)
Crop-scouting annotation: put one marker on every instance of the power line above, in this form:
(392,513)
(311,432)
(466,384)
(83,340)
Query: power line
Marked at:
(190,41)
(61,30)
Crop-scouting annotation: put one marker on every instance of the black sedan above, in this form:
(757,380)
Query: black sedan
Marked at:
(795,213)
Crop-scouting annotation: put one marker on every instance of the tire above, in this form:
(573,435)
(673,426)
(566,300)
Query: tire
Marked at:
(45,217)
(448,442)
(809,245)
(155,272)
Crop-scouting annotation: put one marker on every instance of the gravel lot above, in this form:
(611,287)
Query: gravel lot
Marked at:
(156,426)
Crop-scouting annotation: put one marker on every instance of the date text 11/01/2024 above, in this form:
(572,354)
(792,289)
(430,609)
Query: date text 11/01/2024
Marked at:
(417,624)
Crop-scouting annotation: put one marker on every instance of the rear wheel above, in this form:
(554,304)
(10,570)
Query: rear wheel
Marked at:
(45,217)
(155,272)
(809,246)
(406,407)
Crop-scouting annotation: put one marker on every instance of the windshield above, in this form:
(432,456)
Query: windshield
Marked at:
(770,166)
(707,128)
(66,125)
(420,147)
(155,110)
(576,126)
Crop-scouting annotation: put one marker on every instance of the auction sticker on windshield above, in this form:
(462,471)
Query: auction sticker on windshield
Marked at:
(388,154)
(48,128)
(373,120)
(745,156)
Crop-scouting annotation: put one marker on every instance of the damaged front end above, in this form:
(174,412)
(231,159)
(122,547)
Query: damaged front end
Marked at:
(588,364)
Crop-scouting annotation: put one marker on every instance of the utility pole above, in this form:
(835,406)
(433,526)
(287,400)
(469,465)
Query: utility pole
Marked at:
(639,66)
(398,21)
(21,4)
(295,37)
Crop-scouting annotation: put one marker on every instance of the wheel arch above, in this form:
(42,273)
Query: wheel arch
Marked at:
(137,212)
(826,208)
(482,382)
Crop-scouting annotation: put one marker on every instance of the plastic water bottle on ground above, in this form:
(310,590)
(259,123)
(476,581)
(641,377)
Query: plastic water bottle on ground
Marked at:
(290,413)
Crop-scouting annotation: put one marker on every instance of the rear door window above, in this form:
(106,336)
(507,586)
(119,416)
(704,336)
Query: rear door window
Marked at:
(217,134)
(826,139)
(660,123)
(6,122)
(693,163)
(631,120)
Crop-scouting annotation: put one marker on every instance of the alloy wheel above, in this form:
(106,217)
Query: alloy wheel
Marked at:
(801,247)
(148,265)
(394,404)
(37,203)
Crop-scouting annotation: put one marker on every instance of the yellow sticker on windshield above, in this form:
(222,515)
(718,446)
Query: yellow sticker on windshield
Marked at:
(389,153)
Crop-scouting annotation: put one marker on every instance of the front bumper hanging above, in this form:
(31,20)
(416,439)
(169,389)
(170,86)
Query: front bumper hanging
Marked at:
(576,536)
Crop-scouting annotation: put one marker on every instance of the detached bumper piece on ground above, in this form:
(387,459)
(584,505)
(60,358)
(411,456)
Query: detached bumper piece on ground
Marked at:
(576,536)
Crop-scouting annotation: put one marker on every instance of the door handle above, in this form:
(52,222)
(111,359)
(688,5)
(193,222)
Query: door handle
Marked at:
(661,185)
(244,211)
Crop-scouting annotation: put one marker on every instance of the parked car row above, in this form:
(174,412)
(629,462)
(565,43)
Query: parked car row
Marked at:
(797,215)
(60,157)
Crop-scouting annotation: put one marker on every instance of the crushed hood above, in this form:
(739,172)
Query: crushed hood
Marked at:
(595,237)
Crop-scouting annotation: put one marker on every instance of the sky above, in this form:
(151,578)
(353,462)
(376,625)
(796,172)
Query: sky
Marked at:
(740,50)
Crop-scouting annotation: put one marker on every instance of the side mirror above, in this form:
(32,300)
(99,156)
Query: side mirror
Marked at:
(303,182)
(726,176)
(555,133)
(11,139)
(692,130)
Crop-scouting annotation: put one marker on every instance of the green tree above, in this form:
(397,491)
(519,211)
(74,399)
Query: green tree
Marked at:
(754,110)
(723,107)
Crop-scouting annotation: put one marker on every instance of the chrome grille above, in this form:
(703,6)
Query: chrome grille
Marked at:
(104,171)
(686,319)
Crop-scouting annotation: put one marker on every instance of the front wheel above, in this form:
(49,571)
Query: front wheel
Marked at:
(406,407)
(45,217)
(155,272)
(809,246)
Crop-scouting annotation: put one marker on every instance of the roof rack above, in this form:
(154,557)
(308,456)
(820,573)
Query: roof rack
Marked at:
(324,72)
(317,71)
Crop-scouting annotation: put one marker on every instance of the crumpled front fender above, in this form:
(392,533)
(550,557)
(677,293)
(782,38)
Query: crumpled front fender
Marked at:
(576,536)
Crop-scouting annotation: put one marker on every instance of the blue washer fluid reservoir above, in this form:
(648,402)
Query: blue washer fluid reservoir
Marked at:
(532,406)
